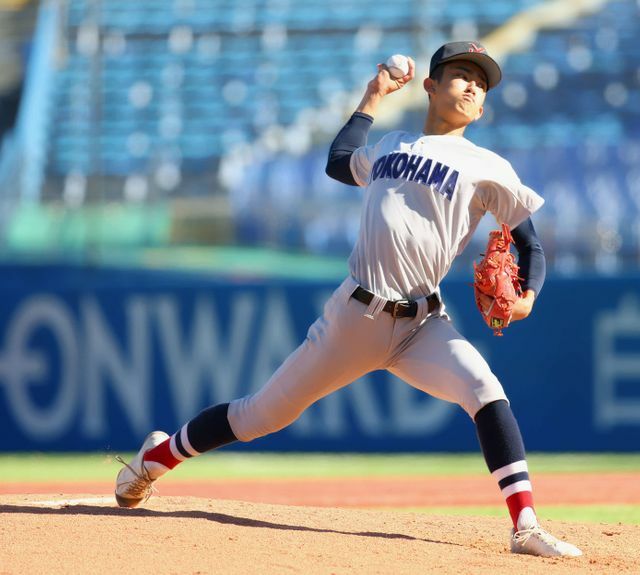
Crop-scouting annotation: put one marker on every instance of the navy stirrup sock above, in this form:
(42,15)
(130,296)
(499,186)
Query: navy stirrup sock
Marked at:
(210,429)
(207,430)
(503,450)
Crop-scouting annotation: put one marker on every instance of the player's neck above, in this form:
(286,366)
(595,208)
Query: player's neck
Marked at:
(437,126)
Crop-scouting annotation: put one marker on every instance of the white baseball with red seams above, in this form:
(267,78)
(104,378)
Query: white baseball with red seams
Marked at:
(397,65)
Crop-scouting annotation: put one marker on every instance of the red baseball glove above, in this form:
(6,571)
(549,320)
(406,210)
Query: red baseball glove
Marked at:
(496,276)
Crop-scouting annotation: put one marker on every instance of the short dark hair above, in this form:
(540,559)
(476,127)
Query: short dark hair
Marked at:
(437,72)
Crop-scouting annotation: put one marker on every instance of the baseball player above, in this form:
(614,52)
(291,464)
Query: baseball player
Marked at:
(425,194)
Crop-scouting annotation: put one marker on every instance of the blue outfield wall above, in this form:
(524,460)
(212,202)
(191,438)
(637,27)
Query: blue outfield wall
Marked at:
(93,359)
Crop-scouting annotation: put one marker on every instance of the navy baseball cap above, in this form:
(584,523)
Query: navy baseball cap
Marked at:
(471,51)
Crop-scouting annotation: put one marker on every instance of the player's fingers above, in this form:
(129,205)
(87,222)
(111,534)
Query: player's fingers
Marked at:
(383,72)
(400,82)
(387,82)
(521,309)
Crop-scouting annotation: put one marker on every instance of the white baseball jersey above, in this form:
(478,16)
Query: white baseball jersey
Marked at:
(425,196)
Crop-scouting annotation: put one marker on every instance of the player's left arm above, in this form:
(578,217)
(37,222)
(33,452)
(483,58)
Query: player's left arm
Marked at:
(533,267)
(509,200)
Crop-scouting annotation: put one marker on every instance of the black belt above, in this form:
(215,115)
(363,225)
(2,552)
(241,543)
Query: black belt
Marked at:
(398,308)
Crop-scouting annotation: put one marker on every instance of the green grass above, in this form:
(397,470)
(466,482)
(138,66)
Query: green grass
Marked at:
(229,465)
(34,467)
(611,514)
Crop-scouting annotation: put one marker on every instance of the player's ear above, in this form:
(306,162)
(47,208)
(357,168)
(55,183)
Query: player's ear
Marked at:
(429,85)
(479,114)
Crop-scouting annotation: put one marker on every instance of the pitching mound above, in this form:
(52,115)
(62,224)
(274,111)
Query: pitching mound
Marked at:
(82,534)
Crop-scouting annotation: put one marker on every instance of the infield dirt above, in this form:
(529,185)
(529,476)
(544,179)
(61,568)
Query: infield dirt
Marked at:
(198,535)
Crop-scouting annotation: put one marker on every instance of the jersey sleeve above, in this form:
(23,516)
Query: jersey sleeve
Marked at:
(361,163)
(507,198)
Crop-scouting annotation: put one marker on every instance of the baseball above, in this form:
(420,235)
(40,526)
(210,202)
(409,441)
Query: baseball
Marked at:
(398,65)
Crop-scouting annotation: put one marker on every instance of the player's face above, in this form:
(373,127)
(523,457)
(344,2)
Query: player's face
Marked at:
(459,96)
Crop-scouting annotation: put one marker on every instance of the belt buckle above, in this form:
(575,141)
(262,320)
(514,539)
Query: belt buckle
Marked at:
(397,305)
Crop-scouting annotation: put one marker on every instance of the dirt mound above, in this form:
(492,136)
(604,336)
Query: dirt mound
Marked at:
(82,534)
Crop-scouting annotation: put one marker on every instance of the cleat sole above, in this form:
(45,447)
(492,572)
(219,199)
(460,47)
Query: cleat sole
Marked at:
(125,502)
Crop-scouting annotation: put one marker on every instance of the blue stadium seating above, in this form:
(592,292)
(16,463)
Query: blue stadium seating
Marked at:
(189,77)
(237,44)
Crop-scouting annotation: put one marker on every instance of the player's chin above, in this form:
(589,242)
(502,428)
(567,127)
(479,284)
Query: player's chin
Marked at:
(466,112)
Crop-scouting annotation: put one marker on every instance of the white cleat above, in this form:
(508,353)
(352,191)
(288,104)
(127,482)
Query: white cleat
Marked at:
(133,483)
(536,541)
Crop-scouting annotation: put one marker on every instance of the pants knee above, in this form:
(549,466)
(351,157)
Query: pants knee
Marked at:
(480,401)
(250,417)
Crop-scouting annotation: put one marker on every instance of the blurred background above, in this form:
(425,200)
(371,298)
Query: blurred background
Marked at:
(167,231)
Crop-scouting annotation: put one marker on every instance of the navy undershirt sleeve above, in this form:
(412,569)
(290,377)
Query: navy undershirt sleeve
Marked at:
(531,260)
(352,136)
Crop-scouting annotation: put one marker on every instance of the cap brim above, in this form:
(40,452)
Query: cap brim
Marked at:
(487,63)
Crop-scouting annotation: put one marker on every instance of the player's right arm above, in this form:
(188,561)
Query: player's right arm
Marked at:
(352,136)
(381,85)
(354,133)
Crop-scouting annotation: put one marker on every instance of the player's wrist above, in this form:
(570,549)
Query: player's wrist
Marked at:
(369,103)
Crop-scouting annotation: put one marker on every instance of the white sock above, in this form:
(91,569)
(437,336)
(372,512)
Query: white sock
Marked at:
(155,469)
(527,519)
